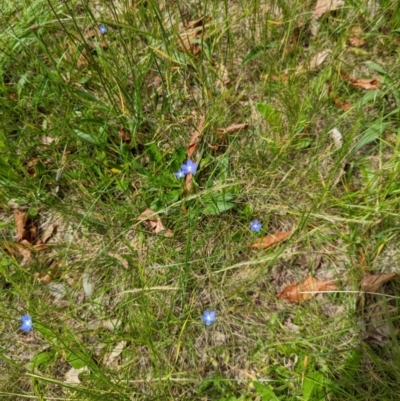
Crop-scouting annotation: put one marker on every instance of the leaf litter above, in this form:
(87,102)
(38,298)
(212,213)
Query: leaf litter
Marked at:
(154,223)
(306,290)
(271,239)
(324,6)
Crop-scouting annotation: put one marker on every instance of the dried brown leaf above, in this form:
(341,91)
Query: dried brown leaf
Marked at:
(193,30)
(372,282)
(355,38)
(272,239)
(324,6)
(19,218)
(123,261)
(110,357)
(340,104)
(48,232)
(154,222)
(233,128)
(306,290)
(23,251)
(365,83)
(195,137)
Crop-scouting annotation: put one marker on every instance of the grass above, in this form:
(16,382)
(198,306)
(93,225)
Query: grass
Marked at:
(93,128)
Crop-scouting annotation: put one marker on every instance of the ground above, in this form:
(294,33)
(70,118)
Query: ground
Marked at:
(290,110)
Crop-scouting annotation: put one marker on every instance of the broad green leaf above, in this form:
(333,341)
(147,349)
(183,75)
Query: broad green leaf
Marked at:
(266,392)
(271,114)
(95,140)
(77,359)
(312,386)
(375,67)
(371,134)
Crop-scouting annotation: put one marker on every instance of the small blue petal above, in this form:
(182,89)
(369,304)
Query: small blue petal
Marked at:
(209,317)
(26,323)
(190,167)
(180,174)
(102,29)
(255,226)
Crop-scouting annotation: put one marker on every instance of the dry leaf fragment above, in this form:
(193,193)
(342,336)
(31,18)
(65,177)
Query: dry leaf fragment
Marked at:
(195,137)
(110,357)
(19,218)
(340,104)
(72,376)
(372,282)
(336,137)
(51,228)
(155,222)
(233,128)
(120,259)
(194,30)
(318,59)
(306,290)
(269,240)
(355,38)
(324,6)
(365,83)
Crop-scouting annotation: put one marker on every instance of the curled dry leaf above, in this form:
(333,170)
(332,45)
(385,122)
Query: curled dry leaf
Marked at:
(48,232)
(306,290)
(269,240)
(355,38)
(19,219)
(154,222)
(324,6)
(372,282)
(340,104)
(364,83)
(233,128)
(192,32)
(110,357)
(72,376)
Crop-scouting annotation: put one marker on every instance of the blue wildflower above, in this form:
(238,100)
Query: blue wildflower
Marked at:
(190,167)
(180,174)
(102,29)
(255,226)
(26,323)
(208,317)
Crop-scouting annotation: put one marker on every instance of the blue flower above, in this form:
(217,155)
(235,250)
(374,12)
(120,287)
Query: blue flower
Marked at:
(190,167)
(26,323)
(180,174)
(102,29)
(208,317)
(255,226)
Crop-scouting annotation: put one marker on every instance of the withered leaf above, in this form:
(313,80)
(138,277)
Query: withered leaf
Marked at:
(365,83)
(19,218)
(306,290)
(340,104)
(195,138)
(72,376)
(123,261)
(355,39)
(233,128)
(110,357)
(372,282)
(324,6)
(154,222)
(192,31)
(272,239)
